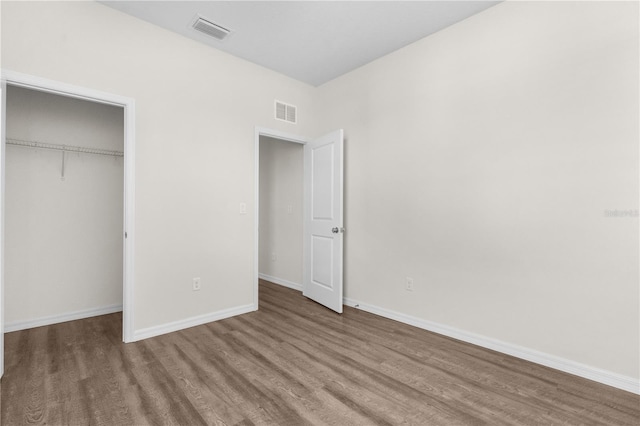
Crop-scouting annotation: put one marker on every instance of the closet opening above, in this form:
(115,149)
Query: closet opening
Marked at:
(64,207)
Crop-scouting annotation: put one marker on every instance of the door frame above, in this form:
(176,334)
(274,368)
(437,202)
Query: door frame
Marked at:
(276,134)
(11,78)
(3,108)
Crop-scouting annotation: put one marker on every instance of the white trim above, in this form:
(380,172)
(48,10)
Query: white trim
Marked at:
(3,108)
(158,330)
(277,134)
(263,131)
(616,380)
(56,319)
(129,220)
(64,89)
(280,281)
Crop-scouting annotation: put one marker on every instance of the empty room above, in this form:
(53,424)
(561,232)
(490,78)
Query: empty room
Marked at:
(320,212)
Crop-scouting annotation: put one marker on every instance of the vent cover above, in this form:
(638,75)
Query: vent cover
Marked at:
(286,112)
(210,29)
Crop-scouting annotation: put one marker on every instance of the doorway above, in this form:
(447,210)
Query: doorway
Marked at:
(281,201)
(279,209)
(322,210)
(127,106)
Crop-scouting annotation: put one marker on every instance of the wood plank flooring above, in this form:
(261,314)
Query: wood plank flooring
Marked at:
(291,363)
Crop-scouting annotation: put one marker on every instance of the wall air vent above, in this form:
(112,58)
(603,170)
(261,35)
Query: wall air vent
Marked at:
(210,29)
(286,112)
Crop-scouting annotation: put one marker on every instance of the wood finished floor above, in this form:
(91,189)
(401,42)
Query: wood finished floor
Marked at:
(291,363)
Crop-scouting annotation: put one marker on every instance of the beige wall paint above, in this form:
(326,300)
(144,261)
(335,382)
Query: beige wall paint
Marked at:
(481,160)
(281,181)
(196,110)
(63,238)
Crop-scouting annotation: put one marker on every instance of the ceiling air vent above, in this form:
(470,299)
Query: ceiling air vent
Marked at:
(285,112)
(210,29)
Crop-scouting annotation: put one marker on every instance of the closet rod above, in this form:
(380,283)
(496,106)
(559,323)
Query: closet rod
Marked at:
(64,148)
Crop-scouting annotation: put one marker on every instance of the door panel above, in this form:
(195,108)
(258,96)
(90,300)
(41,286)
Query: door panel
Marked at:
(323,233)
(322,182)
(322,257)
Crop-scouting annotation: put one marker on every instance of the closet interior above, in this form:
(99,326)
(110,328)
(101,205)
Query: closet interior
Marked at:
(64,204)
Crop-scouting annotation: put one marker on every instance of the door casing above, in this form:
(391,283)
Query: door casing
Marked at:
(3,108)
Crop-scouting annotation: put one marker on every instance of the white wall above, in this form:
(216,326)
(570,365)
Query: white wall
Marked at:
(481,160)
(281,188)
(196,111)
(63,238)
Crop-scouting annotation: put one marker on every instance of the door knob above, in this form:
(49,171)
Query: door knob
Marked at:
(336,230)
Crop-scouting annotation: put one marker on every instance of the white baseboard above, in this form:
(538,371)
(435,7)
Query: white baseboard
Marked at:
(55,319)
(619,381)
(281,282)
(158,330)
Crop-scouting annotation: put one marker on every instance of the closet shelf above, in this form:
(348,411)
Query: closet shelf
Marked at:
(63,148)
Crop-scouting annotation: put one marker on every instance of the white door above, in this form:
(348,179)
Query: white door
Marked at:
(323,226)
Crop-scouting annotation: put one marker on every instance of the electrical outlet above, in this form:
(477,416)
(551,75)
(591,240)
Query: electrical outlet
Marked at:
(274,256)
(409,284)
(196,284)
(243,208)
(289,209)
